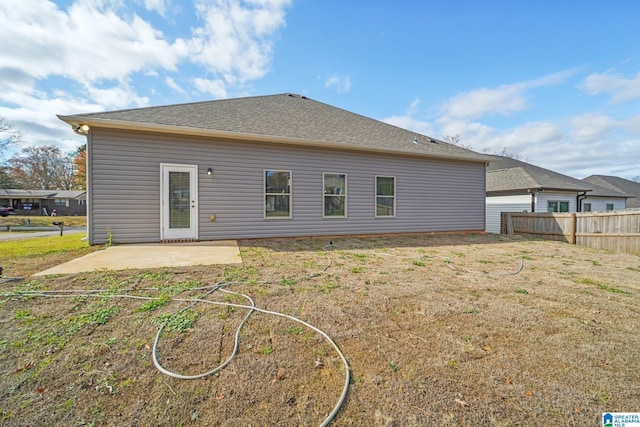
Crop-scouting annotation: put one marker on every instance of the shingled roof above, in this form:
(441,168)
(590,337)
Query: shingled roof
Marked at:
(283,118)
(41,194)
(507,174)
(614,183)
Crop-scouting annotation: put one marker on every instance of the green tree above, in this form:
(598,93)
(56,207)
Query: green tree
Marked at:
(5,178)
(80,166)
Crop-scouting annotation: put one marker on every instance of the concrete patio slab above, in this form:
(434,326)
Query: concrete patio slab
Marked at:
(152,255)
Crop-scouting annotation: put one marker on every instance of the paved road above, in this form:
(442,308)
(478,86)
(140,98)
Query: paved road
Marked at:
(48,231)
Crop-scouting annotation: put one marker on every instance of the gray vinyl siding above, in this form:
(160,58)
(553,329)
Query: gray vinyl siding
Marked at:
(431,195)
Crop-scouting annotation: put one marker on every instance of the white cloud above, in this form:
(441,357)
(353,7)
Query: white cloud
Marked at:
(341,84)
(411,123)
(528,136)
(235,43)
(158,6)
(173,85)
(86,56)
(472,134)
(524,140)
(116,97)
(621,89)
(215,87)
(101,45)
(633,124)
(591,127)
(413,107)
(503,100)
(39,124)
(575,145)
(46,41)
(479,102)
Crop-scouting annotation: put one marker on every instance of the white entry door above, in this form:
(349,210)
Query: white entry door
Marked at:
(179,202)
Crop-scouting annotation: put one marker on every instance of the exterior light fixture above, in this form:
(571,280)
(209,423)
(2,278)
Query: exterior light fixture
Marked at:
(210,171)
(82,129)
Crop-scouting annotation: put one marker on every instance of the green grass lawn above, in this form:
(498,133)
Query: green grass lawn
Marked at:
(24,257)
(43,221)
(40,246)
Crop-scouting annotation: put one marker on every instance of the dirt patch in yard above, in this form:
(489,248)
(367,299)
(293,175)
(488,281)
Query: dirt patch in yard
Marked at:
(438,330)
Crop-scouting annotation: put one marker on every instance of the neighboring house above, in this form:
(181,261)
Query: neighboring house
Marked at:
(43,202)
(630,188)
(270,166)
(516,186)
(602,199)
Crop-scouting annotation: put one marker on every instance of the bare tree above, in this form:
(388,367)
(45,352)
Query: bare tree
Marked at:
(506,153)
(636,178)
(9,135)
(66,173)
(42,168)
(456,140)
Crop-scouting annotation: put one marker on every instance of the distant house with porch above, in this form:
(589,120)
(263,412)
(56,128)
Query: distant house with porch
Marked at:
(43,202)
(517,186)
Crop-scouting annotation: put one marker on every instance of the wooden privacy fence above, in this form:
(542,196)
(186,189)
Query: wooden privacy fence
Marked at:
(612,231)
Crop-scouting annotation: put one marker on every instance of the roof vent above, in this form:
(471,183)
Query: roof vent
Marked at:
(415,141)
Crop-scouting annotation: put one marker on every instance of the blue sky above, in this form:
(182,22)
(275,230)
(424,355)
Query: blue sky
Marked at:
(557,82)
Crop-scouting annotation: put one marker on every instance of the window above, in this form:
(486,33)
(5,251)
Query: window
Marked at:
(556,206)
(385,196)
(61,202)
(277,191)
(609,207)
(586,207)
(30,204)
(335,195)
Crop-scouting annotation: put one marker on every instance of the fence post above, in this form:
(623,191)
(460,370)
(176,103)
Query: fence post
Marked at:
(572,229)
(508,222)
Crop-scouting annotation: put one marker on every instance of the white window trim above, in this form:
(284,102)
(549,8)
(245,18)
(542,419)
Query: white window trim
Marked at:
(558,202)
(345,195)
(265,194)
(375,190)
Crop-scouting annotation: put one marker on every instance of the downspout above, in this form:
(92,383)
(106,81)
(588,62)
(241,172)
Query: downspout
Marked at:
(534,193)
(85,130)
(533,199)
(579,199)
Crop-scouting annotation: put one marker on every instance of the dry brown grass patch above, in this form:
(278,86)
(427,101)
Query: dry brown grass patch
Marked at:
(436,329)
